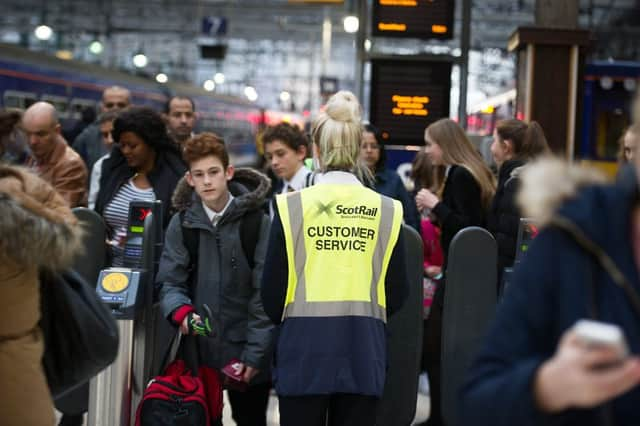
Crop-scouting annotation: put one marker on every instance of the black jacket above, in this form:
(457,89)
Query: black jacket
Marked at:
(504,216)
(460,207)
(164,177)
(388,183)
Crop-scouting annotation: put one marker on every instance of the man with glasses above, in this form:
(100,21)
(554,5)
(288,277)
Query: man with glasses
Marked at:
(51,158)
(89,144)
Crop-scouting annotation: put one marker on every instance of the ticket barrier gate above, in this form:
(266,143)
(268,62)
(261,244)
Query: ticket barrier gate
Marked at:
(115,393)
(404,343)
(469,305)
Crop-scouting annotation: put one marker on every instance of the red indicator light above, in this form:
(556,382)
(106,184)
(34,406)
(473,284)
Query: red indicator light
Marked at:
(143,213)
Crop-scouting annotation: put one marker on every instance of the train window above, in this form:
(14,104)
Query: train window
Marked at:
(18,99)
(60,103)
(77,105)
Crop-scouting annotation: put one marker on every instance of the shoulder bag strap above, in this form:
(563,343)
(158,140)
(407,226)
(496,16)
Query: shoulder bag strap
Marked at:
(603,259)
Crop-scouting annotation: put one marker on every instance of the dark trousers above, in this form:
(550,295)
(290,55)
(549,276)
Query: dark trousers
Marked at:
(431,351)
(249,408)
(340,409)
(71,420)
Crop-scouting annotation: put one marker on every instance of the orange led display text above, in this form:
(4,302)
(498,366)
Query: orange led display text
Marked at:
(410,105)
(401,3)
(392,26)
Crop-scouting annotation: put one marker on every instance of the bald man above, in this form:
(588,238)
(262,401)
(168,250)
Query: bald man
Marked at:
(89,143)
(51,157)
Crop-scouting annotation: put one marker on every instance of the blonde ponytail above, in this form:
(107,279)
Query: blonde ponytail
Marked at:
(337,132)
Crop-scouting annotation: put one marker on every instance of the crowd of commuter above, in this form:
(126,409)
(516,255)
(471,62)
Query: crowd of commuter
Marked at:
(294,312)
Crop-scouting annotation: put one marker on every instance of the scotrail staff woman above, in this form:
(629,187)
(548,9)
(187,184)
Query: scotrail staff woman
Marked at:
(332,300)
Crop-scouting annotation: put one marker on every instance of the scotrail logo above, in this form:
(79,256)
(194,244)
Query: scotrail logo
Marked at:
(356,210)
(325,209)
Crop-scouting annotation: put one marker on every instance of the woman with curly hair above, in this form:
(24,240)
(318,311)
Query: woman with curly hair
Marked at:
(144,165)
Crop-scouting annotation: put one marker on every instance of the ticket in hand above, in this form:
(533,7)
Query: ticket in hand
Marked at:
(233,372)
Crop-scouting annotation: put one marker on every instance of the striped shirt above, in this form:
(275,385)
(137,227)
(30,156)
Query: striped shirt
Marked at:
(116,215)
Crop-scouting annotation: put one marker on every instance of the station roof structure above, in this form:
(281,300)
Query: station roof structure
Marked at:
(276,45)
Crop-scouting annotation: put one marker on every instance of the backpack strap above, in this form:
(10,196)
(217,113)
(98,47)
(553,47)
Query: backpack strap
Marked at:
(249,232)
(191,240)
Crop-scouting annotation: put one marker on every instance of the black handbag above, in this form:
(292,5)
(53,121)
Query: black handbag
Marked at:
(80,334)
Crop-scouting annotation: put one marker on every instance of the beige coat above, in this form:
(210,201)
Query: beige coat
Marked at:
(65,170)
(37,228)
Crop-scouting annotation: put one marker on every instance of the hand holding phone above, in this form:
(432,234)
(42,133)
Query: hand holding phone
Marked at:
(591,365)
(596,334)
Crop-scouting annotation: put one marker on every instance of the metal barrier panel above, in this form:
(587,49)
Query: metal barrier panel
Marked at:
(404,343)
(469,306)
(111,389)
(88,265)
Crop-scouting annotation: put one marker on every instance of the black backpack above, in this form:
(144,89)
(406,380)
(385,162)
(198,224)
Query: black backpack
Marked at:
(249,231)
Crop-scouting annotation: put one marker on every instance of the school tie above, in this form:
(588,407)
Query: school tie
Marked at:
(215,219)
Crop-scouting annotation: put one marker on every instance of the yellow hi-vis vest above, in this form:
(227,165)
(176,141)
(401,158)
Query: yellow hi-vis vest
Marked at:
(339,240)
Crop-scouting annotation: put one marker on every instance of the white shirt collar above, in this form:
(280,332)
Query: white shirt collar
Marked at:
(338,177)
(214,217)
(297,182)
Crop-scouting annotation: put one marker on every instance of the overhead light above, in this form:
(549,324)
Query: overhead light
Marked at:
(10,36)
(218,78)
(606,82)
(630,84)
(285,96)
(161,78)
(250,93)
(351,24)
(140,60)
(367,45)
(43,32)
(209,85)
(96,47)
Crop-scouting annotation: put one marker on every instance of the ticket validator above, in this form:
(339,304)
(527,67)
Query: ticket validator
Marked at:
(128,291)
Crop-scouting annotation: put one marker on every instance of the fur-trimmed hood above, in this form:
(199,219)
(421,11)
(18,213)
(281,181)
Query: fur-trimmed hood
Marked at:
(36,224)
(547,183)
(249,187)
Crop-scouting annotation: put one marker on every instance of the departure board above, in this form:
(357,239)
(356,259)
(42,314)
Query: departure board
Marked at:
(407,96)
(413,18)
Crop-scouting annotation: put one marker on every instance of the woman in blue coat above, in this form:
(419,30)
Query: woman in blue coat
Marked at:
(532,368)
